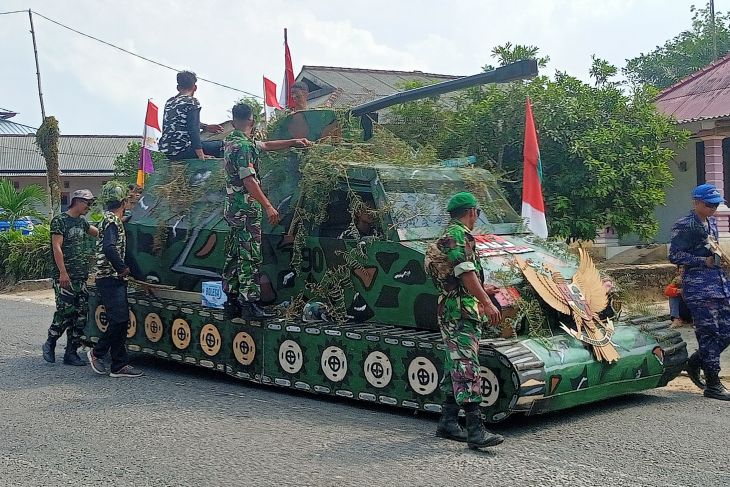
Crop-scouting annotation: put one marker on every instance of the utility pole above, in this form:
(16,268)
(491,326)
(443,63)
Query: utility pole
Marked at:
(714,30)
(37,67)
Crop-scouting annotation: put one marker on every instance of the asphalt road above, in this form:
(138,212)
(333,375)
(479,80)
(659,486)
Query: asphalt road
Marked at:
(62,425)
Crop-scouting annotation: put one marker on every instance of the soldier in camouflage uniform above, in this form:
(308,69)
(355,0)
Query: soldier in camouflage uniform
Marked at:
(453,263)
(245,202)
(111,283)
(706,288)
(68,232)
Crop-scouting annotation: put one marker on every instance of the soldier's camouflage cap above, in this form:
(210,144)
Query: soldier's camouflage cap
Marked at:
(113,191)
(462,200)
(83,194)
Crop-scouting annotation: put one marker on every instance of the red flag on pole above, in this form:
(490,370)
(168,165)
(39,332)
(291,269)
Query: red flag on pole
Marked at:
(287,100)
(533,207)
(150,136)
(270,94)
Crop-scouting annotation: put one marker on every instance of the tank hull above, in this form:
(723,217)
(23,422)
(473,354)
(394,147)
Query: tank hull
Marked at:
(395,365)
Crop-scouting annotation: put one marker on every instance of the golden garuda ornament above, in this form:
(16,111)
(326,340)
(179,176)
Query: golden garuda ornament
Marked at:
(581,299)
(722,256)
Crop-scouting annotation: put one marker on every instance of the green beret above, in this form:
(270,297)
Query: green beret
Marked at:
(462,200)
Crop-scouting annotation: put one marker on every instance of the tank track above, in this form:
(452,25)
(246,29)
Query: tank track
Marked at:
(375,363)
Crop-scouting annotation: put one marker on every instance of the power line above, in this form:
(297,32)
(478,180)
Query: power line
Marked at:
(14,12)
(135,54)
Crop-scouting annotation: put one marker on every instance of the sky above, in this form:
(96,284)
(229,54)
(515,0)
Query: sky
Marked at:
(93,89)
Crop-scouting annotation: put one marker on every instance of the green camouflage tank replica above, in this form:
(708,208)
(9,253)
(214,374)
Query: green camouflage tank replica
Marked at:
(357,316)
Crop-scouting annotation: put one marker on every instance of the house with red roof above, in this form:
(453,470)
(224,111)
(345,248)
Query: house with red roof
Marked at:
(699,103)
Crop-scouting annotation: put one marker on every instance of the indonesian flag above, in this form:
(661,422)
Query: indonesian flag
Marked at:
(270,94)
(150,136)
(533,208)
(286,99)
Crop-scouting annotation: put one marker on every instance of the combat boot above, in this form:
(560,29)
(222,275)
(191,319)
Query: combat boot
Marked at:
(449,426)
(71,357)
(715,389)
(693,370)
(253,311)
(477,435)
(49,350)
(231,308)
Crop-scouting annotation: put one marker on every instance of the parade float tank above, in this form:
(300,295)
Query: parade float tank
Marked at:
(370,330)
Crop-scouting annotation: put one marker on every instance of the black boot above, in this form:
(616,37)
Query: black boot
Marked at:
(49,350)
(71,357)
(253,311)
(477,434)
(714,388)
(449,426)
(231,309)
(693,370)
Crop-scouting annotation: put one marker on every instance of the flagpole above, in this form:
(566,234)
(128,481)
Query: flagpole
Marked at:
(266,112)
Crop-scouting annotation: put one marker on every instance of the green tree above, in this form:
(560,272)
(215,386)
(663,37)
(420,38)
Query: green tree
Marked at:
(508,53)
(23,202)
(604,152)
(127,164)
(684,54)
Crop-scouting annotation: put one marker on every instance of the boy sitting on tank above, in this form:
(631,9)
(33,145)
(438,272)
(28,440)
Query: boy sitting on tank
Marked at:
(181,125)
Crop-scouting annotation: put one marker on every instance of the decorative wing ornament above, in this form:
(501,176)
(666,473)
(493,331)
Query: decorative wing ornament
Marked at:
(581,299)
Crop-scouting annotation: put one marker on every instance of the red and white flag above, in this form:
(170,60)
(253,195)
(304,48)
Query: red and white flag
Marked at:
(533,206)
(287,100)
(270,94)
(150,136)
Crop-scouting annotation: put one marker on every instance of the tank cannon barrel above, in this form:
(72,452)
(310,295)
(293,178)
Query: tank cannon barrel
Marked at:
(511,72)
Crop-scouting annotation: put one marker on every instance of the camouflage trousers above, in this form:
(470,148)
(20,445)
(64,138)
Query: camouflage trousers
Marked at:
(461,371)
(712,327)
(243,260)
(72,307)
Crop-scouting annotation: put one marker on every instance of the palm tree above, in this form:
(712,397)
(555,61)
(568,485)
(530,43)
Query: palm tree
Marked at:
(16,203)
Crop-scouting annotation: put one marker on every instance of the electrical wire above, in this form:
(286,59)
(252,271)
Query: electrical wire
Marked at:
(14,12)
(134,54)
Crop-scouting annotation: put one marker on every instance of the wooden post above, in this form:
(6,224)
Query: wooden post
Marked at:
(37,67)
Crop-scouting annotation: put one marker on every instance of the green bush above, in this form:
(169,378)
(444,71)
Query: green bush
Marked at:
(26,256)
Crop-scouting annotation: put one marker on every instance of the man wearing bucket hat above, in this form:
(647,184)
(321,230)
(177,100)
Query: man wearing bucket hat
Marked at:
(706,288)
(68,232)
(111,283)
(453,263)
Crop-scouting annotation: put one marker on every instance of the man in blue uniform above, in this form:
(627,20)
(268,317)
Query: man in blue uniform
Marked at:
(706,288)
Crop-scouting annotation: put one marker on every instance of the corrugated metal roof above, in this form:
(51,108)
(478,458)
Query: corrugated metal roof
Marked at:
(353,86)
(86,155)
(702,95)
(11,128)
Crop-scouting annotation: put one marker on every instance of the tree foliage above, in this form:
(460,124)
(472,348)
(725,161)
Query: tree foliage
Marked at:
(127,164)
(23,202)
(604,152)
(684,54)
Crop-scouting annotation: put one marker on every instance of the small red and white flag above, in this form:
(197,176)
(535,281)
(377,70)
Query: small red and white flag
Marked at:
(287,100)
(270,94)
(150,137)
(533,206)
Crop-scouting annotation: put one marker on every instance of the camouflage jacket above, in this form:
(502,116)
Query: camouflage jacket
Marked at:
(104,266)
(74,232)
(175,136)
(241,159)
(458,248)
(688,248)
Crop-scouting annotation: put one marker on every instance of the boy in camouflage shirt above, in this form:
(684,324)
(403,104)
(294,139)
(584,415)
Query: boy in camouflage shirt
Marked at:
(68,232)
(453,263)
